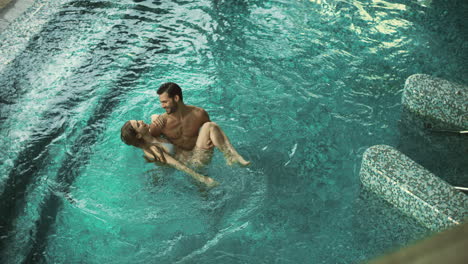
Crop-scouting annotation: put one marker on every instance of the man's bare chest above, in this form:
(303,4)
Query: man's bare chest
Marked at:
(181,128)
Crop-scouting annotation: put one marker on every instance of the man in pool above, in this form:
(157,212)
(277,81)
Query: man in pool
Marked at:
(189,129)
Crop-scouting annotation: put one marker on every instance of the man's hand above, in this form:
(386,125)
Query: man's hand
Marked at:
(154,154)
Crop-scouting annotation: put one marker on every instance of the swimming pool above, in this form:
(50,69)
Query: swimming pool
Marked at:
(302,88)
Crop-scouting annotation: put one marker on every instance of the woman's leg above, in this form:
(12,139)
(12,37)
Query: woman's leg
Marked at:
(211,135)
(209,182)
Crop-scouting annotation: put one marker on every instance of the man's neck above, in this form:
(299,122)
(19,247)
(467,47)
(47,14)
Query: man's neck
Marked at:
(181,111)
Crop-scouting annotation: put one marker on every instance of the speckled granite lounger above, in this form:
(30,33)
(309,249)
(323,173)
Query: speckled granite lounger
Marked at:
(430,104)
(437,100)
(412,189)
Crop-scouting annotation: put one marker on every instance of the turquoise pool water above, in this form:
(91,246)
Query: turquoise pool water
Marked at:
(302,88)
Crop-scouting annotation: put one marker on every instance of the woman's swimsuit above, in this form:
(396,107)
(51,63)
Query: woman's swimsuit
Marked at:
(169,147)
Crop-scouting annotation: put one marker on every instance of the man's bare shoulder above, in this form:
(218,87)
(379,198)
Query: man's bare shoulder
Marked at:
(197,111)
(198,114)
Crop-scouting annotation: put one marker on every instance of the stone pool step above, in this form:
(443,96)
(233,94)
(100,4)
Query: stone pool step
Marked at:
(413,189)
(437,101)
(434,112)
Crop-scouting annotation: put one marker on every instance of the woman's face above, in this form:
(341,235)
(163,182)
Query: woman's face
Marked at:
(140,127)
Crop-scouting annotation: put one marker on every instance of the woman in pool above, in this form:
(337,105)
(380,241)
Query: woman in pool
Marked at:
(136,133)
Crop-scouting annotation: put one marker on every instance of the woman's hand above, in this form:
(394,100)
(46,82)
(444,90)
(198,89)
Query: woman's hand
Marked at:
(157,123)
(154,154)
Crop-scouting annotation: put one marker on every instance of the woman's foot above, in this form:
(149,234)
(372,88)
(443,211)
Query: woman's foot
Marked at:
(210,183)
(236,159)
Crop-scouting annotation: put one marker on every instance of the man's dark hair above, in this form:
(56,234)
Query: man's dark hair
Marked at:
(171,89)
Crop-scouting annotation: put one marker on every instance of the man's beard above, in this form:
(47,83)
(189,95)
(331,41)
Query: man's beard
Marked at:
(171,109)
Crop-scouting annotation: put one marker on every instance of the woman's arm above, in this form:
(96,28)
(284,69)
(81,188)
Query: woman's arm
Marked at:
(152,151)
(157,124)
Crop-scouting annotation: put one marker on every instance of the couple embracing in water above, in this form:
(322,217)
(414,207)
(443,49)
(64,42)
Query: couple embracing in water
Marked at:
(182,136)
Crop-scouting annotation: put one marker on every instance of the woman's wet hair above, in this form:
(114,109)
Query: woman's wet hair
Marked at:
(172,89)
(129,135)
